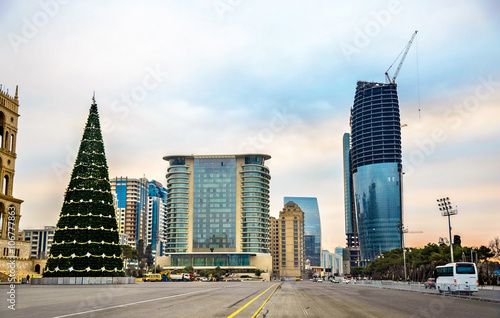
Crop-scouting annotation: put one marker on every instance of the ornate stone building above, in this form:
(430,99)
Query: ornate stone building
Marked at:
(288,242)
(14,254)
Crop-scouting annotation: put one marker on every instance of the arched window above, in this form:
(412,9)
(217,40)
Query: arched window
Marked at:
(5,185)
(12,142)
(2,119)
(6,146)
(37,268)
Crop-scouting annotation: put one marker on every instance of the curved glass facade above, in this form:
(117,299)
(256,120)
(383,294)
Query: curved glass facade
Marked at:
(378,207)
(218,203)
(256,225)
(177,206)
(312,227)
(376,168)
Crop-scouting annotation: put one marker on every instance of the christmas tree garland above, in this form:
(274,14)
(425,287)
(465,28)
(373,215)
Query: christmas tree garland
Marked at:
(86,241)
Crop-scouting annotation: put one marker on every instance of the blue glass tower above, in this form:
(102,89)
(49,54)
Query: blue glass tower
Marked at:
(312,227)
(156,216)
(376,168)
(351,229)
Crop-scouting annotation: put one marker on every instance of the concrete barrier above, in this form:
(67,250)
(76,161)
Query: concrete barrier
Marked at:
(81,280)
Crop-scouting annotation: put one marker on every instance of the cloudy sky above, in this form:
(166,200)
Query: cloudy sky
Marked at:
(275,77)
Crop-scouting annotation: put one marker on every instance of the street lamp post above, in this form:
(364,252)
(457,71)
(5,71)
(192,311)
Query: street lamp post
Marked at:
(447,210)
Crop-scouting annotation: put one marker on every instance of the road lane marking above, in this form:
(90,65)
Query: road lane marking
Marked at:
(134,303)
(258,310)
(251,301)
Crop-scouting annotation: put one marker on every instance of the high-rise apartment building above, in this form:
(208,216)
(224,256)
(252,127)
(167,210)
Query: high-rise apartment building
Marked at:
(275,246)
(312,227)
(288,242)
(156,224)
(40,240)
(217,204)
(376,168)
(132,199)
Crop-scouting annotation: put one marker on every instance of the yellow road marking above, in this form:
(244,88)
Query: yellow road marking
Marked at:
(258,310)
(251,301)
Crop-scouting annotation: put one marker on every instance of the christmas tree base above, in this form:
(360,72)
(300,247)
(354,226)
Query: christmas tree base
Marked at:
(82,280)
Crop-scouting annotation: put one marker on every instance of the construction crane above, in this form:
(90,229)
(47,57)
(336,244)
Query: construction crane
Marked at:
(404,52)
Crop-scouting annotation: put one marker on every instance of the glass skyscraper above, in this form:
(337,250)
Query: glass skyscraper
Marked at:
(351,229)
(376,168)
(312,227)
(156,217)
(218,203)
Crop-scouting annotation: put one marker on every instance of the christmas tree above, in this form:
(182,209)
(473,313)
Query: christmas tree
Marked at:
(86,237)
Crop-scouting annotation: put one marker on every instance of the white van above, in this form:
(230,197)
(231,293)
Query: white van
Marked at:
(457,278)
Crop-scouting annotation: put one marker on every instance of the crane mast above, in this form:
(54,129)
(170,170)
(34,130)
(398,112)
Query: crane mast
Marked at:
(404,52)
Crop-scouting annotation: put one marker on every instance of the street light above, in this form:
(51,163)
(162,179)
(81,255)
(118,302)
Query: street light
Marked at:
(447,210)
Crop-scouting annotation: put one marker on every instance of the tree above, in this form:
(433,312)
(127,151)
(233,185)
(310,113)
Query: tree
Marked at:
(86,237)
(356,271)
(128,252)
(495,246)
(149,255)
(140,250)
(142,265)
(189,269)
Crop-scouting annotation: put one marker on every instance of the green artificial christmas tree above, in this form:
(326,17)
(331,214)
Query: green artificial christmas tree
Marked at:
(86,237)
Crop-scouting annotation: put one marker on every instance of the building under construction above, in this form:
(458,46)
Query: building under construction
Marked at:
(376,168)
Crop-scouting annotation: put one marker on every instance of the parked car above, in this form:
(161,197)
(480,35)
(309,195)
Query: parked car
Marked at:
(430,283)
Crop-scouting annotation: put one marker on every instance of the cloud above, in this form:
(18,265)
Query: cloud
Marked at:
(265,76)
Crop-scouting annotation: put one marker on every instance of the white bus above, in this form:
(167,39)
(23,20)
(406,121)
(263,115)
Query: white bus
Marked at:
(457,278)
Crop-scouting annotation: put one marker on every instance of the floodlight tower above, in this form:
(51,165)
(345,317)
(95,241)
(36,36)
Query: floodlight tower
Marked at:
(447,210)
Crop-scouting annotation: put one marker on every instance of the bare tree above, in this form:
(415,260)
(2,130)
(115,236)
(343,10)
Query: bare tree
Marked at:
(495,246)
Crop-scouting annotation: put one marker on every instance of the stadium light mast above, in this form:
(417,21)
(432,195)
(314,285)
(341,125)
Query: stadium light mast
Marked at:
(447,210)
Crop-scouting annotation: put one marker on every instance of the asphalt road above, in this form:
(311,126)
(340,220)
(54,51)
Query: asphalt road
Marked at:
(308,299)
(234,299)
(155,299)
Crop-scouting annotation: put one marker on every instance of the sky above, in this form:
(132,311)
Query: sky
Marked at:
(275,77)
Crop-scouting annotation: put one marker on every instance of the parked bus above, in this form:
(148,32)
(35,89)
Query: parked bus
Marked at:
(150,277)
(457,278)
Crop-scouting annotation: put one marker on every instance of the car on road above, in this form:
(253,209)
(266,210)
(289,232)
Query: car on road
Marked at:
(430,283)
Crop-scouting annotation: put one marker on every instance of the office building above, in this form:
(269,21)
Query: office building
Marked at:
(40,240)
(352,252)
(376,168)
(312,227)
(351,229)
(218,204)
(156,219)
(332,262)
(132,199)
